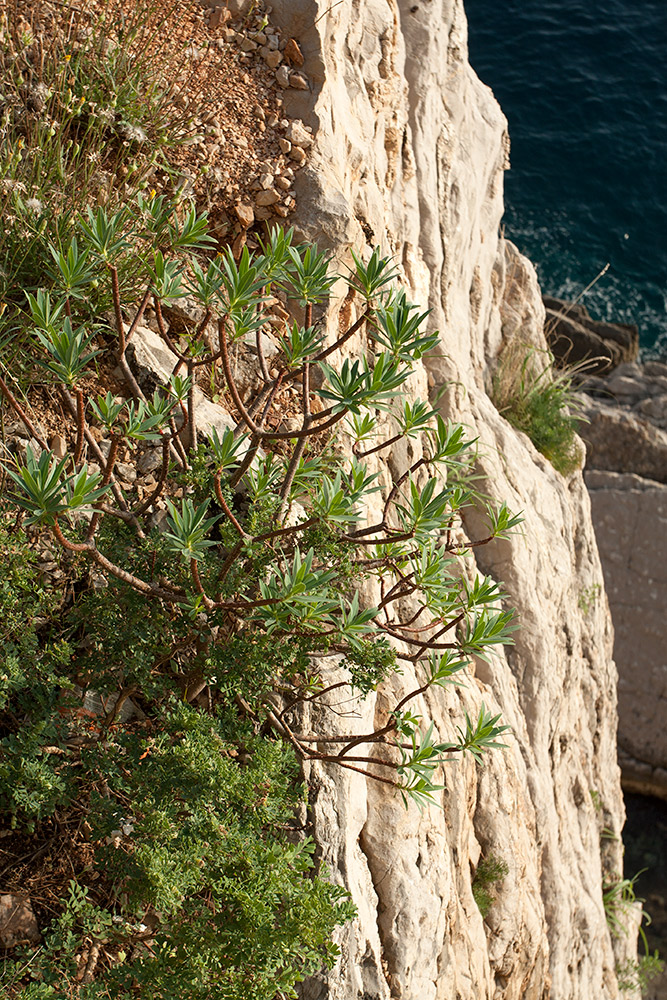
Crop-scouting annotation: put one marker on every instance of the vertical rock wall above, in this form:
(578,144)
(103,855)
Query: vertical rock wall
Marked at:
(409,155)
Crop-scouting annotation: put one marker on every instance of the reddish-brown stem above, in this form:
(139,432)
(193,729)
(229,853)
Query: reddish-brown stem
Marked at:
(80,425)
(247,419)
(130,379)
(432,643)
(359,770)
(402,582)
(294,464)
(139,315)
(341,340)
(306,390)
(68,307)
(317,755)
(65,542)
(166,441)
(20,412)
(112,715)
(285,531)
(225,506)
(253,448)
(108,472)
(379,447)
(176,441)
(228,563)
(471,545)
(405,626)
(137,584)
(95,448)
(401,537)
(196,579)
(283,728)
(380,526)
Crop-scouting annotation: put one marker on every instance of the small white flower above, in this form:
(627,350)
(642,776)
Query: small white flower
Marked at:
(34,205)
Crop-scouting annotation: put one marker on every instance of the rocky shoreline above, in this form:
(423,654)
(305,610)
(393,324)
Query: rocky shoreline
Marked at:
(624,406)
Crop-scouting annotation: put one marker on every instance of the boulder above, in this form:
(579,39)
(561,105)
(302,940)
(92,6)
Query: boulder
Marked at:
(18,924)
(618,440)
(574,336)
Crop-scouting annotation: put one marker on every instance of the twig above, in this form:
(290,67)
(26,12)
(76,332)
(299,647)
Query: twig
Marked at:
(20,412)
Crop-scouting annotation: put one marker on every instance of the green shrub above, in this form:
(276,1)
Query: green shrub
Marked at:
(638,974)
(490,871)
(541,402)
(619,900)
(242,610)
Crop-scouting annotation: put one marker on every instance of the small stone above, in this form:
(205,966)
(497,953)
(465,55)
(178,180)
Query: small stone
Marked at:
(269,348)
(194,53)
(18,924)
(266,181)
(270,197)
(247,45)
(298,81)
(97,578)
(281,210)
(260,38)
(245,214)
(298,155)
(291,424)
(293,53)
(126,472)
(279,311)
(283,183)
(218,16)
(58,446)
(298,134)
(149,461)
(259,112)
(285,145)
(237,8)
(271,57)
(240,141)
(283,77)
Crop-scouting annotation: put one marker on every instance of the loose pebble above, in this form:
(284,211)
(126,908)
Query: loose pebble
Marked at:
(293,53)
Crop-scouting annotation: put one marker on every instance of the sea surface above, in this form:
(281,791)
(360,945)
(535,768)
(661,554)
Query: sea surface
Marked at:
(583,84)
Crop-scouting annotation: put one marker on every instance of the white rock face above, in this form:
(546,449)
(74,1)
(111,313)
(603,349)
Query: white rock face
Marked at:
(409,152)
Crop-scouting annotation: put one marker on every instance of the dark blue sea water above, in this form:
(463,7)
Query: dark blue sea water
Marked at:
(584,86)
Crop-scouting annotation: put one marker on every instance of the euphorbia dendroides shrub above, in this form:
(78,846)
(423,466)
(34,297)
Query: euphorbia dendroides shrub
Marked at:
(248,603)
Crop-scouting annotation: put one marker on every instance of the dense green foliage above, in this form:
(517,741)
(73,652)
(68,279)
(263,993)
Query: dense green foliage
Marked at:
(489,873)
(194,813)
(540,402)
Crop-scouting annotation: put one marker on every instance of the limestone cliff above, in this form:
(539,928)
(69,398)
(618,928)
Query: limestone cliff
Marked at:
(409,155)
